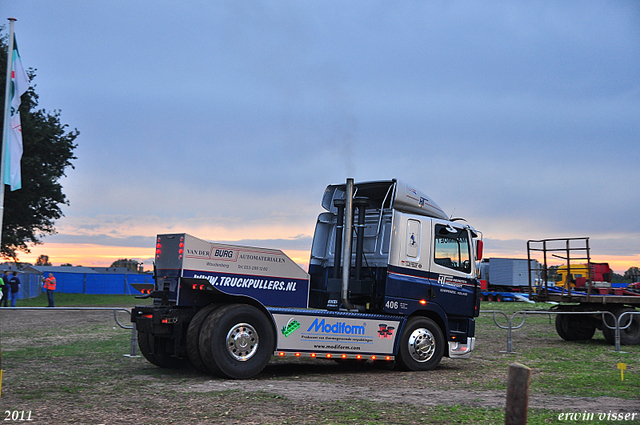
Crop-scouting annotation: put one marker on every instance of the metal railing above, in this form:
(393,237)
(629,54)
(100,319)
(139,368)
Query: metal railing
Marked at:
(509,327)
(134,334)
(618,328)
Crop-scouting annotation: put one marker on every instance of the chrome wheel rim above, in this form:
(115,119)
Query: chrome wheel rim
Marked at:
(422,345)
(242,342)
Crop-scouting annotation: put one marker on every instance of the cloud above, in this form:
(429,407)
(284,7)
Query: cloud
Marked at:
(227,121)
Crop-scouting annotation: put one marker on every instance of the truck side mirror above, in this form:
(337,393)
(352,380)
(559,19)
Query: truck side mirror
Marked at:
(479,246)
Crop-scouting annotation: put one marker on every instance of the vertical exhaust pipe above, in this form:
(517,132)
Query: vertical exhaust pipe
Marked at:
(346,251)
(337,257)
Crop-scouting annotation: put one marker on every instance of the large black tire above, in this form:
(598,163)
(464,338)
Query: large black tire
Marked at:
(145,347)
(628,336)
(193,337)
(560,327)
(237,341)
(610,334)
(575,327)
(158,351)
(421,345)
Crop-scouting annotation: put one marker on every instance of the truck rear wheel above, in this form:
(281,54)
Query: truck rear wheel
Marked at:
(628,336)
(237,341)
(193,337)
(421,345)
(158,351)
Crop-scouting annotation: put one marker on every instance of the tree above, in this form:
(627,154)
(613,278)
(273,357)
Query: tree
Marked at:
(124,262)
(30,212)
(43,260)
(615,277)
(552,271)
(632,275)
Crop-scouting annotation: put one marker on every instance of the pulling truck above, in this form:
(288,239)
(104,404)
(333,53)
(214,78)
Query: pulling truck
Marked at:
(391,278)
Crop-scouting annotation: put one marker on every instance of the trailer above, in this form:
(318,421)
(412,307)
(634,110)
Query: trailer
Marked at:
(507,274)
(390,278)
(504,296)
(591,295)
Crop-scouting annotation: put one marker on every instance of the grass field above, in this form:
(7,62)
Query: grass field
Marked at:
(581,368)
(79,363)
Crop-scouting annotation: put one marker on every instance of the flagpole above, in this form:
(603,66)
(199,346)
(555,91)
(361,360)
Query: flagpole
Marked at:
(5,136)
(7,118)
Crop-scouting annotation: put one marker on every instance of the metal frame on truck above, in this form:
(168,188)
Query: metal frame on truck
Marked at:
(594,297)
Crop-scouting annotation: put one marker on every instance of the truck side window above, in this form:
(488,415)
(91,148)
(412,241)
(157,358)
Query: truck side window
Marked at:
(452,250)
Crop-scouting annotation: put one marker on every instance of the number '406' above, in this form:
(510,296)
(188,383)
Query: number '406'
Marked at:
(392,305)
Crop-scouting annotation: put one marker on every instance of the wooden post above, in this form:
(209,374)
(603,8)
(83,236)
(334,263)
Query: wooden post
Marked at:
(519,379)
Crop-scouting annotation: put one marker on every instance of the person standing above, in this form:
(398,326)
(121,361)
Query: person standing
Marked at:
(4,289)
(50,286)
(14,282)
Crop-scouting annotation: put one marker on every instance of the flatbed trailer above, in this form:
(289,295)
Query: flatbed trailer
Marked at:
(582,327)
(588,299)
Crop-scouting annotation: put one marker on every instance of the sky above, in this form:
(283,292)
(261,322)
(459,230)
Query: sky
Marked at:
(228,119)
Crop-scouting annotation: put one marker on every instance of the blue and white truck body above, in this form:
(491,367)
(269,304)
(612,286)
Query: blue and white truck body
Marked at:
(390,278)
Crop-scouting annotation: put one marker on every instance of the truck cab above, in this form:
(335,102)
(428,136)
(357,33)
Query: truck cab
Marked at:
(579,275)
(407,259)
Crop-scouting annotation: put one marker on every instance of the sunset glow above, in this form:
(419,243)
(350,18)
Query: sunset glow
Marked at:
(87,255)
(103,256)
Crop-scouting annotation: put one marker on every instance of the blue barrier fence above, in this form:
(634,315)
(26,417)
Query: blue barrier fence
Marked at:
(30,285)
(98,283)
(84,283)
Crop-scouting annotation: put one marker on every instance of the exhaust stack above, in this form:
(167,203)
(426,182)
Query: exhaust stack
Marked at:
(339,203)
(346,251)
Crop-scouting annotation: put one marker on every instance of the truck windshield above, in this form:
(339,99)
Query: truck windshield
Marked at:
(452,250)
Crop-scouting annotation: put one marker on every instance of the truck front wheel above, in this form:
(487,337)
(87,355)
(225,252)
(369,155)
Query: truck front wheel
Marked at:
(421,345)
(237,341)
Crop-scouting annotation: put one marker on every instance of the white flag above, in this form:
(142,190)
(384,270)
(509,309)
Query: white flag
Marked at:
(13,153)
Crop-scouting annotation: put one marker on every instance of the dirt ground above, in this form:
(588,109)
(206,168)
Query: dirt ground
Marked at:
(135,387)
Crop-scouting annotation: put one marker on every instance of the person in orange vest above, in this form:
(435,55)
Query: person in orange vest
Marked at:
(50,286)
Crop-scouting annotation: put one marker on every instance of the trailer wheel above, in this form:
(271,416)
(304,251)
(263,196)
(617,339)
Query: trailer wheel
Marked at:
(157,351)
(193,337)
(574,327)
(560,328)
(628,336)
(237,341)
(421,345)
